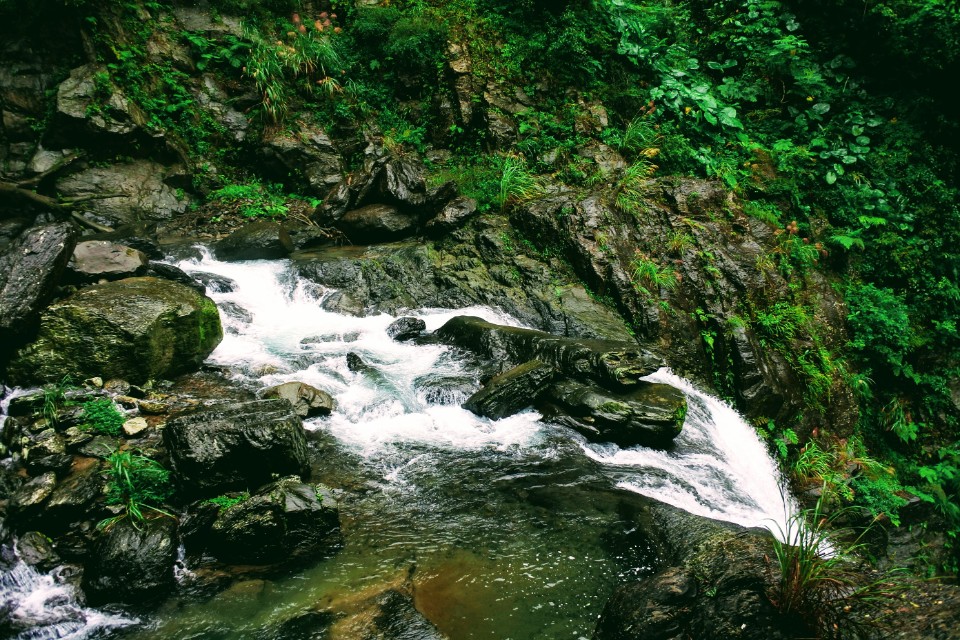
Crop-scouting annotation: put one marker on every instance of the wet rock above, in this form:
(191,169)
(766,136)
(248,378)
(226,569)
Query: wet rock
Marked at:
(215,102)
(78,104)
(235,311)
(307,401)
(446,390)
(135,426)
(612,364)
(33,493)
(236,446)
(135,329)
(175,274)
(512,391)
(95,260)
(30,269)
(397,618)
(46,451)
(215,283)
(356,364)
(37,550)
(132,565)
(650,415)
(453,216)
(305,153)
(263,240)
(73,496)
(99,446)
(309,625)
(406,328)
(377,223)
(283,520)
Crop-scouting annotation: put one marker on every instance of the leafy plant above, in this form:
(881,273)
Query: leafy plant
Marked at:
(252,200)
(632,188)
(225,502)
(54,398)
(102,416)
(517,184)
(648,274)
(137,484)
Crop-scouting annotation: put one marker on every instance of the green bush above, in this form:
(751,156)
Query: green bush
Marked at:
(879,326)
(102,416)
(225,502)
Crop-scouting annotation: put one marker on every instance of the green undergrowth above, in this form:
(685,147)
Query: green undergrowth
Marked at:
(136,484)
(102,416)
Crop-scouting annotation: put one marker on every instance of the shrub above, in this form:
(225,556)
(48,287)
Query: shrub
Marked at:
(251,200)
(137,484)
(102,416)
(225,502)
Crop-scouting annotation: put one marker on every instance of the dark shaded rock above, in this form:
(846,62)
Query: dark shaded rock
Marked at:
(309,625)
(135,329)
(29,271)
(78,105)
(512,391)
(655,608)
(649,415)
(37,550)
(236,446)
(132,565)
(95,260)
(175,274)
(235,311)
(283,520)
(307,401)
(74,494)
(262,240)
(306,154)
(612,364)
(356,364)
(377,223)
(406,328)
(447,390)
(46,451)
(33,493)
(215,283)
(135,236)
(99,446)
(453,216)
(397,618)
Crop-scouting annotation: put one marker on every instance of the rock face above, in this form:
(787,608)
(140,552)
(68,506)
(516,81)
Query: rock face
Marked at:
(132,565)
(29,271)
(620,364)
(78,105)
(453,216)
(512,391)
(650,415)
(237,446)
(307,401)
(284,519)
(135,329)
(99,259)
(307,155)
(263,240)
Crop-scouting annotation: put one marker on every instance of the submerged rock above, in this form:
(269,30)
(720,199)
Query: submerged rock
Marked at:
(307,401)
(650,415)
(135,329)
(236,446)
(130,564)
(512,391)
(284,519)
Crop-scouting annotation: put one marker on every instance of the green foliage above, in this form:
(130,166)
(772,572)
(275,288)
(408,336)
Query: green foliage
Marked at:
(54,398)
(880,327)
(781,439)
(252,200)
(102,416)
(137,484)
(821,580)
(517,184)
(647,274)
(225,502)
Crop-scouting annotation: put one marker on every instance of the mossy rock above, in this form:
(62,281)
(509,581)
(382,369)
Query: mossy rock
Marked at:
(134,329)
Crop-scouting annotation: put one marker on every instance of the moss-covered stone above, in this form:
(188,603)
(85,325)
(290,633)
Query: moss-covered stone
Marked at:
(135,329)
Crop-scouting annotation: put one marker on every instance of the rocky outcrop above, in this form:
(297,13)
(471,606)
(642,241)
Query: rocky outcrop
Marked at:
(284,520)
(90,102)
(95,260)
(237,446)
(377,223)
(302,155)
(454,215)
(615,364)
(512,391)
(307,401)
(132,564)
(262,240)
(136,329)
(29,271)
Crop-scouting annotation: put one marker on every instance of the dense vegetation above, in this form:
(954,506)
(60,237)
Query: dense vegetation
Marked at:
(830,120)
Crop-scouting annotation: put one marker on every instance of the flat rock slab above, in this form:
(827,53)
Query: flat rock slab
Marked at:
(511,392)
(100,259)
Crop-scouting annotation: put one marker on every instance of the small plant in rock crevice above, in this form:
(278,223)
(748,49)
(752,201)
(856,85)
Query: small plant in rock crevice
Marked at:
(227,502)
(137,484)
(103,417)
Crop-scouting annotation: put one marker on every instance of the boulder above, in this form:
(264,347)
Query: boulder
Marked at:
(176,274)
(262,240)
(511,392)
(135,426)
(215,283)
(136,329)
(307,154)
(377,223)
(283,520)
(95,260)
(650,414)
(406,328)
(132,564)
(46,451)
(36,550)
(236,446)
(609,363)
(29,271)
(307,401)
(453,216)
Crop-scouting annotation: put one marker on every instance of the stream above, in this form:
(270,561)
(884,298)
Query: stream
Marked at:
(508,529)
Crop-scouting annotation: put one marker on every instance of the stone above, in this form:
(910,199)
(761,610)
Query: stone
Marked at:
(34,492)
(406,328)
(46,451)
(95,260)
(305,151)
(74,495)
(30,269)
(609,363)
(377,223)
(175,274)
(132,565)
(36,550)
(261,240)
(136,329)
(284,520)
(454,215)
(215,283)
(99,446)
(78,105)
(307,401)
(512,391)
(135,426)
(650,414)
(237,446)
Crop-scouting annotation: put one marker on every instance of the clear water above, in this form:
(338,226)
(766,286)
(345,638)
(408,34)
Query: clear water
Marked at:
(509,529)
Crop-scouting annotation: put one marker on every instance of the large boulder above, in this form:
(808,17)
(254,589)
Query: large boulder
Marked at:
(377,223)
(135,329)
(511,392)
(650,415)
(307,401)
(609,363)
(236,446)
(29,271)
(95,260)
(262,240)
(285,519)
(132,563)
